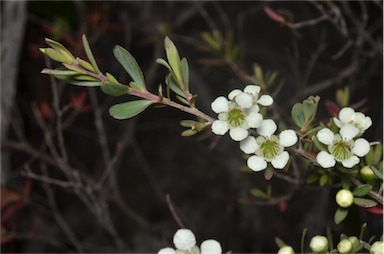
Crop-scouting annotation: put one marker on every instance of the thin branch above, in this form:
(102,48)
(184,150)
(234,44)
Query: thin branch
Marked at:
(173,212)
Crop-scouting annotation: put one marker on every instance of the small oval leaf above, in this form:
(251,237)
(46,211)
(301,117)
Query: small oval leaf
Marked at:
(364,202)
(129,109)
(362,190)
(130,65)
(340,215)
(90,56)
(114,89)
(298,115)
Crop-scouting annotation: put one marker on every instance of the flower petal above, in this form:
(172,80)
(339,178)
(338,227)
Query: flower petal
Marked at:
(348,132)
(249,145)
(256,163)
(346,114)
(255,108)
(219,127)
(337,122)
(184,239)
(351,162)
(244,100)
(210,246)
(367,123)
(234,93)
(254,119)
(325,136)
(238,133)
(252,89)
(361,147)
(288,138)
(265,100)
(219,105)
(267,128)
(325,160)
(167,250)
(280,161)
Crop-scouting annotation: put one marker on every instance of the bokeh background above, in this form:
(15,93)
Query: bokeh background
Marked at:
(54,203)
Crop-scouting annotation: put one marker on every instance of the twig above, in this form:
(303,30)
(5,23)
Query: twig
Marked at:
(173,212)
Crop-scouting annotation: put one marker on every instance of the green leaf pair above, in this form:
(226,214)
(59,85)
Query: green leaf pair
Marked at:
(304,113)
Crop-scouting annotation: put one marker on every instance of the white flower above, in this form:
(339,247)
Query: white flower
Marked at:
(349,116)
(235,118)
(250,97)
(167,250)
(210,246)
(268,147)
(184,239)
(341,147)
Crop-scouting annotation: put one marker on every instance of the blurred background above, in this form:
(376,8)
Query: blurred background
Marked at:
(76,180)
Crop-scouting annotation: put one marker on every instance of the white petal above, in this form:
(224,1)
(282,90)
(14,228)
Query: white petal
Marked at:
(346,114)
(361,147)
(244,100)
(252,89)
(249,145)
(254,120)
(219,105)
(325,160)
(337,122)
(351,162)
(234,93)
(267,128)
(367,122)
(210,246)
(265,100)
(167,250)
(184,239)
(280,161)
(288,138)
(256,163)
(325,136)
(238,134)
(348,132)
(219,127)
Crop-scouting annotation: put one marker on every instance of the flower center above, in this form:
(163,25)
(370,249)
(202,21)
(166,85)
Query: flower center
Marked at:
(269,149)
(341,150)
(236,117)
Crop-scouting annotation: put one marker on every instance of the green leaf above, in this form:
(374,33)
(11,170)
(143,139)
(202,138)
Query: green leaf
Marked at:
(310,108)
(312,178)
(362,190)
(111,78)
(85,83)
(59,72)
(55,55)
(259,193)
(173,57)
(128,109)
(173,85)
(90,56)
(377,172)
(185,73)
(298,115)
(187,123)
(59,47)
(280,243)
(364,202)
(114,89)
(164,63)
(340,215)
(188,133)
(323,180)
(85,78)
(130,65)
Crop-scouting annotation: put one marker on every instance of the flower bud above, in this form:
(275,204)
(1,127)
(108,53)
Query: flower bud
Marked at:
(377,248)
(344,246)
(344,198)
(286,250)
(184,239)
(367,173)
(354,240)
(319,244)
(166,250)
(211,246)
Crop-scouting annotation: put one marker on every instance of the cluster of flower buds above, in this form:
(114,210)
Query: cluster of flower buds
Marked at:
(240,113)
(185,243)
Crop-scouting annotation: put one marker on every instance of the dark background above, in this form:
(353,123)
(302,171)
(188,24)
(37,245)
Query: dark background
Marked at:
(204,181)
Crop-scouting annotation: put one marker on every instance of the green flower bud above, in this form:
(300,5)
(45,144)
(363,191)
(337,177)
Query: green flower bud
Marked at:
(344,246)
(367,173)
(377,248)
(286,250)
(319,244)
(344,198)
(354,240)
(55,55)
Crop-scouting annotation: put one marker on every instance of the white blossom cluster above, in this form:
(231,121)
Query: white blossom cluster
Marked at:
(185,242)
(240,113)
(344,147)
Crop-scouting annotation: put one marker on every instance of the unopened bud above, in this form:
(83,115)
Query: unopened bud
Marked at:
(377,248)
(286,250)
(367,173)
(344,198)
(319,244)
(344,246)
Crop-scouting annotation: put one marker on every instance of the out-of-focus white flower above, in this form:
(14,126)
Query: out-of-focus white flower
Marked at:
(344,198)
(348,115)
(319,244)
(377,248)
(286,250)
(184,239)
(235,118)
(210,246)
(268,147)
(167,250)
(341,147)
